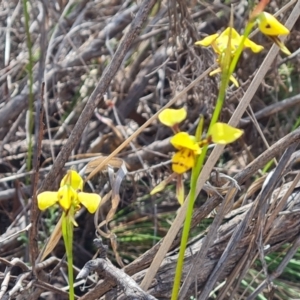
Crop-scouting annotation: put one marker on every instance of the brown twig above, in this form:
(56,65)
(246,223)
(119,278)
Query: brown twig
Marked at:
(33,233)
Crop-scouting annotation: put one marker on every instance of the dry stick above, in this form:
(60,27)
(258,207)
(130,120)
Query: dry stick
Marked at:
(279,269)
(211,161)
(33,233)
(39,129)
(48,55)
(271,218)
(242,263)
(273,109)
(266,156)
(260,207)
(279,207)
(98,93)
(226,206)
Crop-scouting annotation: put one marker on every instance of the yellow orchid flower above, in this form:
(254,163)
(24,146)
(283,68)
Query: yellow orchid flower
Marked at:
(189,147)
(69,196)
(184,159)
(272,28)
(219,42)
(70,193)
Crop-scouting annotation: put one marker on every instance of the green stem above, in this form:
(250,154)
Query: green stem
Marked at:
(240,48)
(67,232)
(30,77)
(228,69)
(192,195)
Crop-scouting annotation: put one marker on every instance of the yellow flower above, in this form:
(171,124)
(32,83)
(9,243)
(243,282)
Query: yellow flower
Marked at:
(171,117)
(224,134)
(69,194)
(220,42)
(189,147)
(182,140)
(271,27)
(184,159)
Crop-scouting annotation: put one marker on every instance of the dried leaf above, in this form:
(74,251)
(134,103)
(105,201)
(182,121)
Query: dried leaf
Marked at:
(93,166)
(52,241)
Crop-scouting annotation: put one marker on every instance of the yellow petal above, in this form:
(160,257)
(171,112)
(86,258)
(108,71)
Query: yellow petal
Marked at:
(90,201)
(253,46)
(234,33)
(67,196)
(183,140)
(73,179)
(207,41)
(171,117)
(46,199)
(269,25)
(222,133)
(180,190)
(222,41)
(183,160)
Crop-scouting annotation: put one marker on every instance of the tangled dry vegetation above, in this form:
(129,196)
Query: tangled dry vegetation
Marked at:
(101,70)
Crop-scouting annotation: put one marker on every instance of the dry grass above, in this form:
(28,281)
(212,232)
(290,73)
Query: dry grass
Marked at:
(104,68)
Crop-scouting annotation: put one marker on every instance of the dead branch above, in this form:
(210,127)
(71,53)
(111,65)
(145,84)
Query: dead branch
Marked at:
(111,276)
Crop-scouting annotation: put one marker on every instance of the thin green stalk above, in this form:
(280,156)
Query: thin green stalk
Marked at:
(30,77)
(192,195)
(67,232)
(228,68)
(239,50)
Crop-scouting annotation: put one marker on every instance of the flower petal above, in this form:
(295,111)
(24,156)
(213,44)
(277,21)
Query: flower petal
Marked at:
(67,196)
(73,179)
(269,25)
(222,133)
(207,41)
(253,46)
(171,117)
(183,160)
(222,41)
(46,199)
(90,200)
(183,140)
(234,33)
